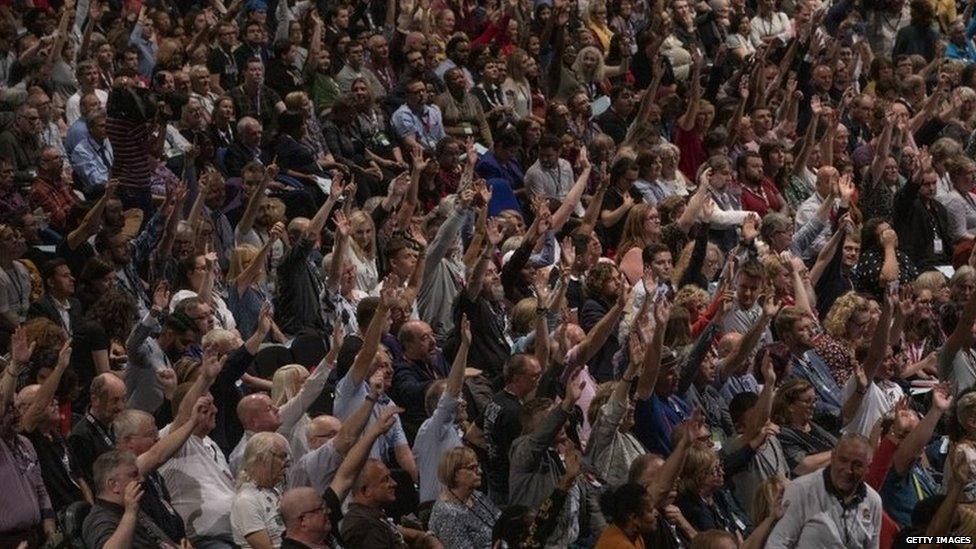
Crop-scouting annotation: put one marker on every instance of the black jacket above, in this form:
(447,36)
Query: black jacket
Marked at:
(46,308)
(918,221)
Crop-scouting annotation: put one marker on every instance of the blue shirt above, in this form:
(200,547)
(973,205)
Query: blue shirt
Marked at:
(92,163)
(427,128)
(655,419)
(77,133)
(147,51)
(966,52)
(810,367)
(900,493)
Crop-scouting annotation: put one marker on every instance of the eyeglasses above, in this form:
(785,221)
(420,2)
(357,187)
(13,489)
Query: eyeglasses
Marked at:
(317,510)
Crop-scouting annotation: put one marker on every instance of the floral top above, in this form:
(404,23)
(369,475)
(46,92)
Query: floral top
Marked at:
(838,357)
(458,525)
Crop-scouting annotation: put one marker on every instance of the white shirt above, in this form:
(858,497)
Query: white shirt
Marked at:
(879,399)
(72,109)
(200,485)
(815,518)
(256,509)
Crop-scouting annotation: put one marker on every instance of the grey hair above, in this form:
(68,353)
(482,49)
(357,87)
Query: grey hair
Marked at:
(258,451)
(128,423)
(107,463)
(246,121)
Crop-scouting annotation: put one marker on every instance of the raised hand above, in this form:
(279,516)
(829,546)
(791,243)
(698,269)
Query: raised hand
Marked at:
(21,349)
(341,224)
(386,419)
(662,311)
(574,388)
(388,294)
(201,409)
(768,371)
(265,317)
(465,330)
(160,298)
(167,380)
(941,397)
(750,227)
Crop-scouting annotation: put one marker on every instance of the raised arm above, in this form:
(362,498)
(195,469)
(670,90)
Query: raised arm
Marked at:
(574,195)
(356,457)
(371,337)
(93,219)
(687,120)
(663,481)
(159,453)
(352,428)
(173,205)
(45,394)
(246,222)
(759,413)
(913,444)
(257,266)
(652,355)
(21,351)
(737,364)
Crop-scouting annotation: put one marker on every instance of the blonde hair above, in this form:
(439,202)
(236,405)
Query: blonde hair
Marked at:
(129,422)
(966,410)
(284,384)
(691,298)
(452,462)
(240,258)
(930,280)
(700,461)
(259,451)
(841,312)
(523,316)
(357,218)
(598,72)
(767,497)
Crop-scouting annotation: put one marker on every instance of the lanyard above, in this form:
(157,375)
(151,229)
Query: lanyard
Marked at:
(97,428)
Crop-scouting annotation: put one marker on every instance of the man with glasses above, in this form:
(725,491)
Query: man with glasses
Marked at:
(419,125)
(51,190)
(20,145)
(306,519)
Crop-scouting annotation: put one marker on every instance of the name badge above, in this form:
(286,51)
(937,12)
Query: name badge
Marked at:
(937,246)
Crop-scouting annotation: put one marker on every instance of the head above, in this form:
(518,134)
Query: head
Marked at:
(749,167)
(795,329)
(749,283)
(257,413)
(794,403)
(417,339)
(135,431)
(630,507)
(459,471)
(58,280)
(112,472)
(522,373)
(702,473)
(849,463)
(250,132)
(322,429)
(108,397)
(848,319)
(305,516)
(266,459)
(374,487)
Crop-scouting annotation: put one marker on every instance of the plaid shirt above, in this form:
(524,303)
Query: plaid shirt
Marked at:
(55,198)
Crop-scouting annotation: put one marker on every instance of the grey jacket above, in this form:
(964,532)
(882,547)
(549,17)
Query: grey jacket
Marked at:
(145,358)
(443,277)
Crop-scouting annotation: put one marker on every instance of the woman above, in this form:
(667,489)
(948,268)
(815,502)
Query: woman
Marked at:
(324,88)
(959,202)
(195,278)
(596,23)
(223,125)
(462,516)
(738,41)
(460,110)
(642,228)
(375,125)
(516,87)
(246,288)
(845,332)
(807,446)
(98,345)
(673,181)
(631,513)
(350,148)
(702,496)
(254,517)
(648,173)
(362,250)
(866,275)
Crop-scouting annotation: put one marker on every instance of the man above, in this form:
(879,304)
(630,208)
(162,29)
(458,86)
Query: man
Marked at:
(58,305)
(379,62)
(136,433)
(502,424)
(355,68)
(221,64)
(147,354)
(50,131)
(366,523)
(457,50)
(306,519)
(115,519)
(417,123)
(421,365)
(51,190)
(759,194)
(921,221)
(92,158)
(245,148)
(12,202)
(832,507)
(87,75)
(253,48)
(482,301)
(550,177)
(92,435)
(746,309)
(20,143)
(464,109)
(796,330)
(616,120)
(253,98)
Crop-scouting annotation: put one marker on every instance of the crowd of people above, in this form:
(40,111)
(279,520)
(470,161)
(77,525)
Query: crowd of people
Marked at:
(487,273)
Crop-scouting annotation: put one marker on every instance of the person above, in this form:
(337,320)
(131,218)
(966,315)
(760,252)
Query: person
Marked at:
(462,514)
(415,122)
(115,519)
(632,515)
(254,516)
(93,436)
(305,518)
(365,524)
(837,492)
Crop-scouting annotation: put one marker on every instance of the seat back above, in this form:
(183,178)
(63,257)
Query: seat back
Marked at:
(74,518)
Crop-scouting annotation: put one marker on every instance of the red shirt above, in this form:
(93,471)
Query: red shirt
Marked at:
(692,151)
(762,201)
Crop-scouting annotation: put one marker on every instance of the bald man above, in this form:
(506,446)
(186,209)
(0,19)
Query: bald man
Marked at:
(92,436)
(258,414)
(306,519)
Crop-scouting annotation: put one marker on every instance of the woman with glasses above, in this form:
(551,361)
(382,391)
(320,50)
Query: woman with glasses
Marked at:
(702,497)
(462,516)
(254,515)
(807,445)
